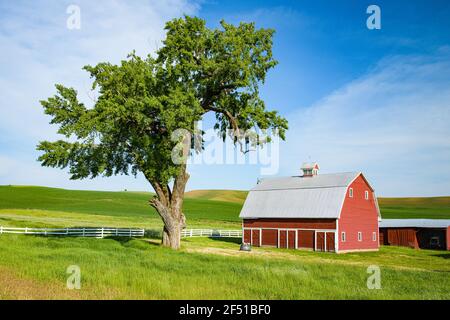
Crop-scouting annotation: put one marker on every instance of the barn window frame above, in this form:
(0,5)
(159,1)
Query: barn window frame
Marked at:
(359,236)
(350,192)
(343,236)
(374,236)
(366,195)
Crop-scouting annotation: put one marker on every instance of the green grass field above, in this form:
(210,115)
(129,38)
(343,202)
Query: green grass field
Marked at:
(35,267)
(40,206)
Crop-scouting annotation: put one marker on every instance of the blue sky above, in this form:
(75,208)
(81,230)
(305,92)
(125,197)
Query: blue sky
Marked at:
(376,101)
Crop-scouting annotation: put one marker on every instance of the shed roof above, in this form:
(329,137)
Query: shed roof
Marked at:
(414,223)
(320,196)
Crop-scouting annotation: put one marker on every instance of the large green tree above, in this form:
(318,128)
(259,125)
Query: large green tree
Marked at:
(134,123)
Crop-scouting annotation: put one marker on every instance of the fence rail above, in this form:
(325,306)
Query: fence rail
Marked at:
(76,232)
(211,233)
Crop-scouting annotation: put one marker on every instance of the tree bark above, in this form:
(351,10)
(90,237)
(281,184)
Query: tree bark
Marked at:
(169,205)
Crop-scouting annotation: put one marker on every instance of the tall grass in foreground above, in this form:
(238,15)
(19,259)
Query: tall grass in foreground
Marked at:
(136,269)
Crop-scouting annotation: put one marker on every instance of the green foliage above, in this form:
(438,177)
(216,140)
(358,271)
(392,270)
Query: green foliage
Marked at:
(142,102)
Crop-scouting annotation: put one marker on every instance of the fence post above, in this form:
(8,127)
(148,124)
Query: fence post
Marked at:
(26,230)
(1,229)
(130,233)
(67,231)
(84,231)
(117,232)
(102,233)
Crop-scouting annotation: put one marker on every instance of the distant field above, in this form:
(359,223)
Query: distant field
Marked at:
(53,206)
(235,196)
(432,208)
(41,206)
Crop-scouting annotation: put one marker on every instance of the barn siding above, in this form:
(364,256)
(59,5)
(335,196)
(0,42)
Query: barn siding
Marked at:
(448,238)
(305,239)
(405,237)
(358,215)
(291,223)
(247,238)
(270,237)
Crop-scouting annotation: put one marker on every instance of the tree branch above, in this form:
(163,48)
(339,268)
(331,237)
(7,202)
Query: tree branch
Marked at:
(234,124)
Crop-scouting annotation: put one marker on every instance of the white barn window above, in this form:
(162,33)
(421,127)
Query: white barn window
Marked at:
(359,236)
(343,236)
(350,192)
(366,195)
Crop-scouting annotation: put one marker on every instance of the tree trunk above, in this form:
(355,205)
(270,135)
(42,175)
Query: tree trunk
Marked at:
(171,238)
(169,206)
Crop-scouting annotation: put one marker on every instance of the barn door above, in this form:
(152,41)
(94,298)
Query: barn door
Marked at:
(282,239)
(256,238)
(247,236)
(330,241)
(291,239)
(305,239)
(320,241)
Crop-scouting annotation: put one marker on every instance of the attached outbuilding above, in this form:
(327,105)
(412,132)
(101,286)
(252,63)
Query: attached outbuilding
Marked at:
(322,212)
(416,233)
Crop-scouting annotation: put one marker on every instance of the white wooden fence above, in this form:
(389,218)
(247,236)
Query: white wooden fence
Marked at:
(211,233)
(76,232)
(116,232)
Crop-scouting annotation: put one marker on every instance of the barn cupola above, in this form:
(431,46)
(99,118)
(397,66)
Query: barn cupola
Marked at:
(310,169)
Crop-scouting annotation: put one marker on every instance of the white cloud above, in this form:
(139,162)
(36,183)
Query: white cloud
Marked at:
(42,51)
(392,124)
(38,50)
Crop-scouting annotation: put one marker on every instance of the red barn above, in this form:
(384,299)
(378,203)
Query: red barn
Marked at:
(322,212)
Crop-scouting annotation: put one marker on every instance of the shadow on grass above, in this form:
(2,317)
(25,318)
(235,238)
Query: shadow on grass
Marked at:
(121,240)
(229,240)
(442,255)
(153,233)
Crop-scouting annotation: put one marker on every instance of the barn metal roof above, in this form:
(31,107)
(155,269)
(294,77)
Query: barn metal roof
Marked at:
(320,196)
(414,223)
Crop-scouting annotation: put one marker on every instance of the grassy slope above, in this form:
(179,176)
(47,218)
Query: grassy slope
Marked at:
(234,196)
(41,206)
(212,269)
(200,205)
(46,205)
(205,268)
(432,207)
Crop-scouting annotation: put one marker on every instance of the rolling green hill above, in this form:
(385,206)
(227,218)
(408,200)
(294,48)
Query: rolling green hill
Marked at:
(235,196)
(41,206)
(22,205)
(141,269)
(431,207)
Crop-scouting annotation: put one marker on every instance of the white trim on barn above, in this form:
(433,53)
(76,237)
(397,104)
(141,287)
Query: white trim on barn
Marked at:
(336,237)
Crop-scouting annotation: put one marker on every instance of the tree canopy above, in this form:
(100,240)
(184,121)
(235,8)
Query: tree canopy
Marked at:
(143,101)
